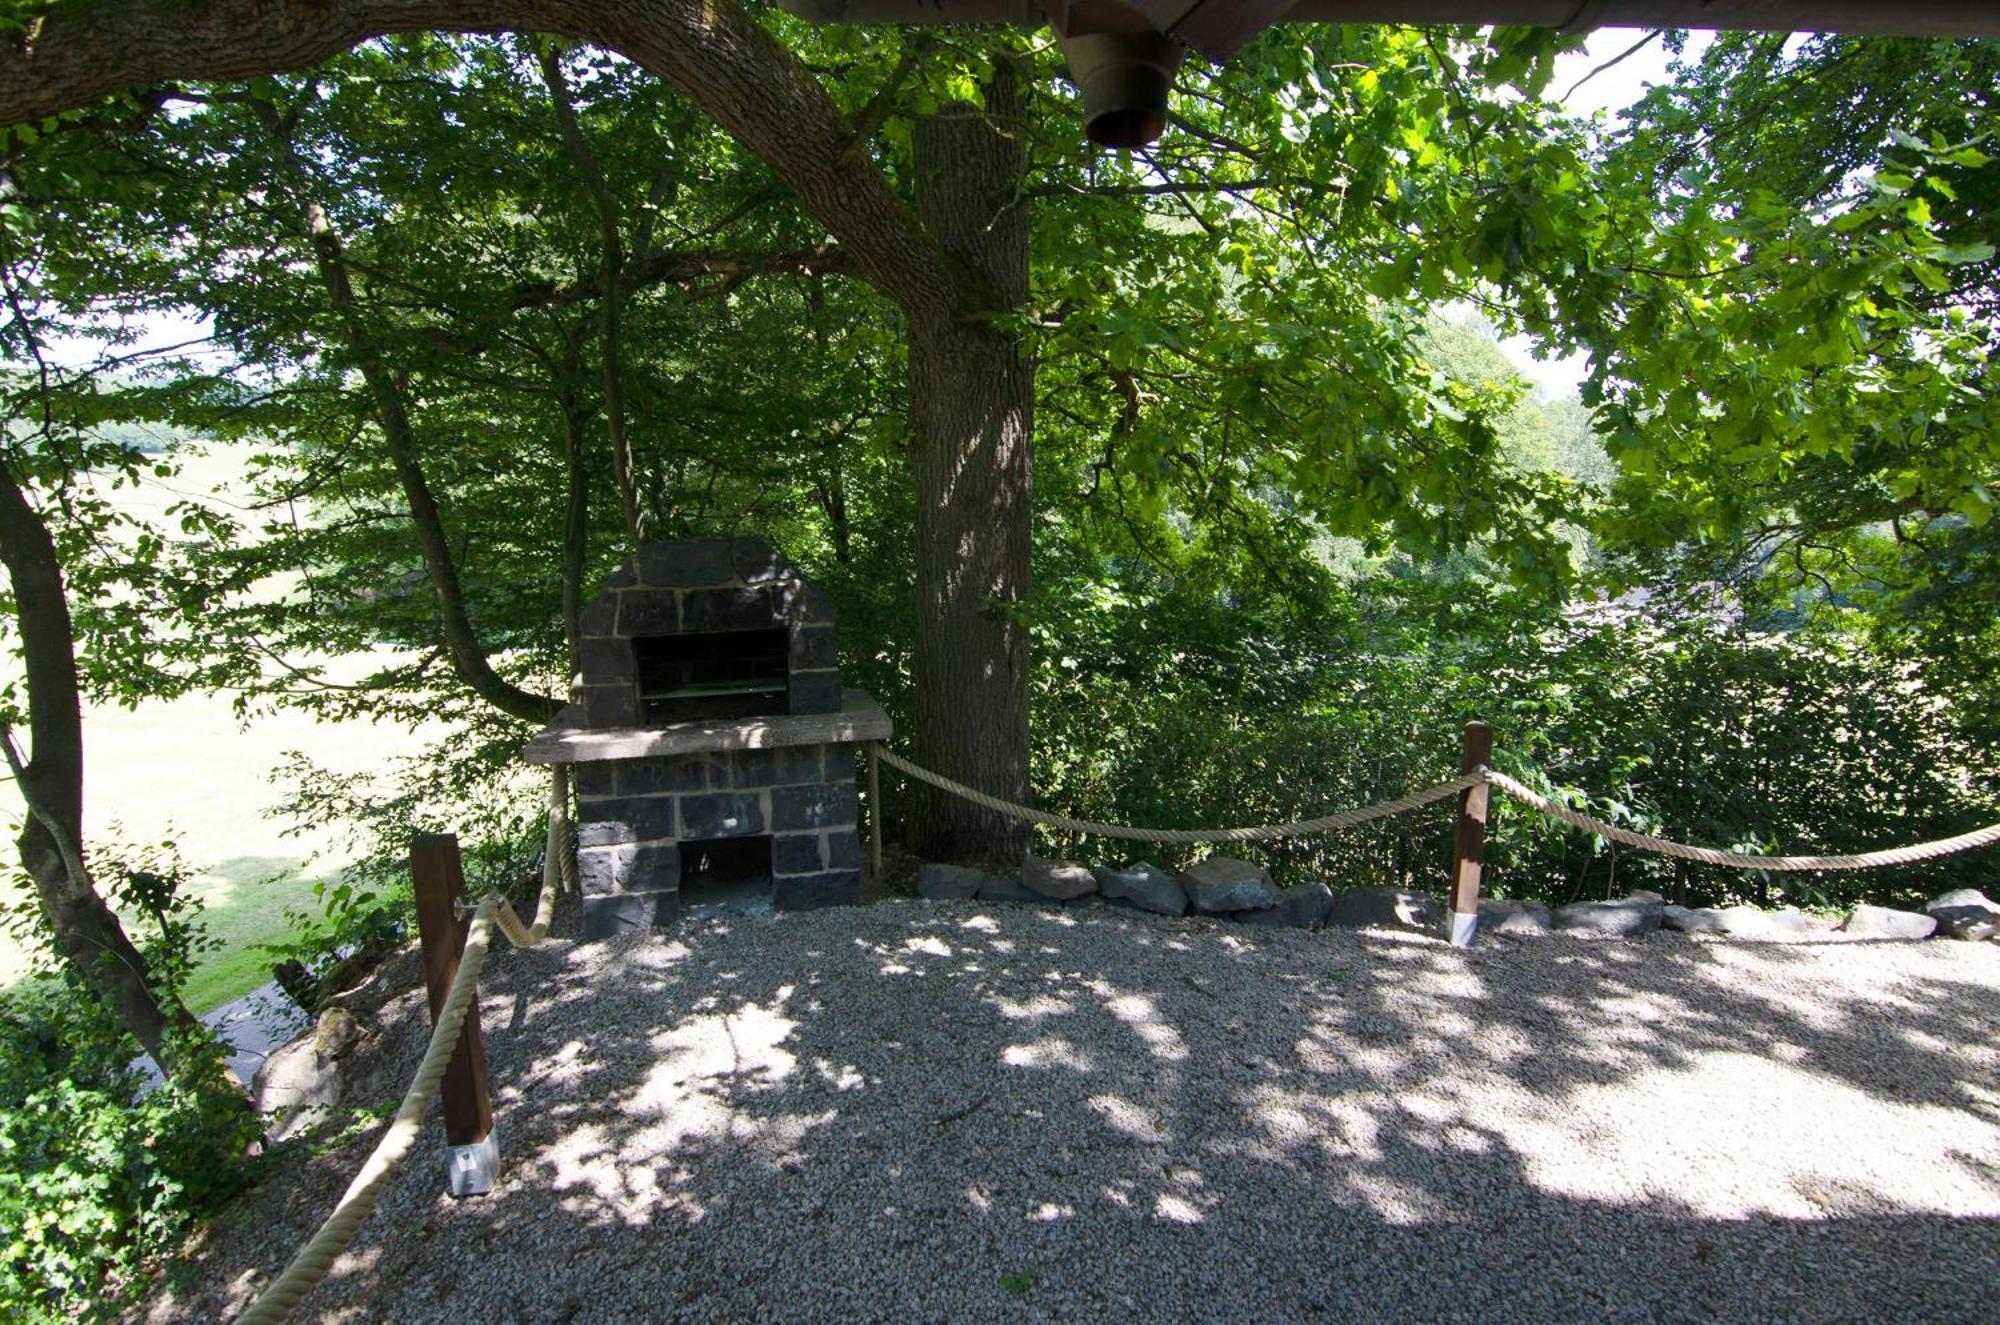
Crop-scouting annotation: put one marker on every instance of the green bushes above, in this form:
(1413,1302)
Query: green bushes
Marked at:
(98,1174)
(1189,711)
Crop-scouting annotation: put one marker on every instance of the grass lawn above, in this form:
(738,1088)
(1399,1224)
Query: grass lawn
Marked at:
(187,769)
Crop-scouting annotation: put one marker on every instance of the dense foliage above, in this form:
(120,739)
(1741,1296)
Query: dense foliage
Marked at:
(100,1169)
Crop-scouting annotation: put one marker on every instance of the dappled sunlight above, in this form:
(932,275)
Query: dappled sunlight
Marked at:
(1082,1094)
(1139,1012)
(1051,1051)
(1704,1133)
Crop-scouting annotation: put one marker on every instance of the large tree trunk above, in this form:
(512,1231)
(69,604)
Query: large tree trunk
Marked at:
(971,418)
(51,782)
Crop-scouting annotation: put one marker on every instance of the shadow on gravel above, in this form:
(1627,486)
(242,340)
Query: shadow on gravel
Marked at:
(948,1113)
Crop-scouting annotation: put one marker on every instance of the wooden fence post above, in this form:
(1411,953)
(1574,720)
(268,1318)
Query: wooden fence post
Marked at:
(1468,850)
(472,1153)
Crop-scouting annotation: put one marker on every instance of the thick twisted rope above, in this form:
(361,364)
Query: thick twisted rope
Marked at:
(314,1259)
(1920,851)
(1743,860)
(1183,836)
(558,868)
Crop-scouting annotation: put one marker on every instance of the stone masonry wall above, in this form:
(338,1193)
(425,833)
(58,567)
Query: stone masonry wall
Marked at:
(634,813)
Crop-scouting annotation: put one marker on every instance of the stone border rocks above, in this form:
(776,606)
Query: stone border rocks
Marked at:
(1241,892)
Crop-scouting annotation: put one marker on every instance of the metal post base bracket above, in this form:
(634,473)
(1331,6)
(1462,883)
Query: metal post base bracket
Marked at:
(1464,924)
(471,1170)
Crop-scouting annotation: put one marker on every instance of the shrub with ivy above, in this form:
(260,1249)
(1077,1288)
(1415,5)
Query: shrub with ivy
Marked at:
(100,1171)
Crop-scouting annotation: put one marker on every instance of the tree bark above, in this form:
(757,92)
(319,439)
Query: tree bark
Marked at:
(971,420)
(86,929)
(576,505)
(715,51)
(468,657)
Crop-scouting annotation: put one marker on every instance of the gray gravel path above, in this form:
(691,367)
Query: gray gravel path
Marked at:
(920,1111)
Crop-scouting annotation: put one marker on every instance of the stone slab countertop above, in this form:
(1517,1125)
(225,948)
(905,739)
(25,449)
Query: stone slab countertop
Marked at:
(568,741)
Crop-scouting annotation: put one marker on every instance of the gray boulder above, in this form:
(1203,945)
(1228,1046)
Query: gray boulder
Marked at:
(296,1087)
(1382,908)
(1514,919)
(1751,922)
(1881,922)
(1006,887)
(1145,885)
(949,883)
(1271,917)
(1970,923)
(1692,920)
(1062,880)
(1626,917)
(1306,906)
(1964,913)
(1223,883)
(336,1033)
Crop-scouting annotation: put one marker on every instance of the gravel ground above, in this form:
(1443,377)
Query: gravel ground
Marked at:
(918,1112)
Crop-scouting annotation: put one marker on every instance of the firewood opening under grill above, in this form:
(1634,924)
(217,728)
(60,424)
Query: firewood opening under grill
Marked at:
(723,674)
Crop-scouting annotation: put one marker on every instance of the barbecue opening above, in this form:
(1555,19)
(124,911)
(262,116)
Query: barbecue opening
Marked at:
(725,674)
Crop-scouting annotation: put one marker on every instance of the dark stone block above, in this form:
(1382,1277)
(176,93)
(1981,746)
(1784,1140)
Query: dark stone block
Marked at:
(611,705)
(656,867)
(687,563)
(607,661)
(721,814)
(727,609)
(627,819)
(595,779)
(780,766)
(796,853)
(599,615)
(648,612)
(813,649)
(802,892)
(651,777)
(843,848)
(602,870)
(820,806)
(713,765)
(840,763)
(815,692)
(625,913)
(751,768)
(622,578)
(756,562)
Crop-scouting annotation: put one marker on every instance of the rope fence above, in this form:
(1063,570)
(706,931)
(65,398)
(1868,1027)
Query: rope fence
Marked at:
(1742,860)
(1325,823)
(1481,776)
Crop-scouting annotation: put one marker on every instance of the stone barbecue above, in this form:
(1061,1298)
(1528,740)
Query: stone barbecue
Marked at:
(713,744)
